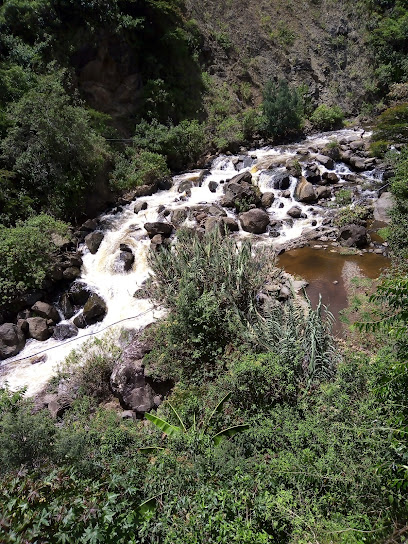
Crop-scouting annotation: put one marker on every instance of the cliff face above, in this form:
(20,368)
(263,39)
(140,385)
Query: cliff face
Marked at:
(317,43)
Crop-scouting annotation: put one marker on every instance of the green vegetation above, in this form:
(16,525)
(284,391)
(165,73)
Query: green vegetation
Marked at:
(391,128)
(282,109)
(327,118)
(26,254)
(399,187)
(356,215)
(271,433)
(344,197)
(139,168)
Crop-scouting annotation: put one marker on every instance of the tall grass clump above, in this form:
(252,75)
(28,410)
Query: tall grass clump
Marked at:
(210,286)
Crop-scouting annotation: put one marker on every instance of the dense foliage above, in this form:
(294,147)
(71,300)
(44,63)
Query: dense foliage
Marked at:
(26,254)
(282,109)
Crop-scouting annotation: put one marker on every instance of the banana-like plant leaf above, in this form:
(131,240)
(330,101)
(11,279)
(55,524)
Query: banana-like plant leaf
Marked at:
(218,408)
(178,417)
(231,431)
(146,507)
(150,449)
(170,430)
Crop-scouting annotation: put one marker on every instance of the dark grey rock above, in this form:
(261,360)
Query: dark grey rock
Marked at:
(354,235)
(38,328)
(139,206)
(63,331)
(95,309)
(43,309)
(255,221)
(165,229)
(93,241)
(12,340)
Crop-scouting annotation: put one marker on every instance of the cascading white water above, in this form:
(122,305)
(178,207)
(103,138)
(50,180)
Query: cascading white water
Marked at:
(103,272)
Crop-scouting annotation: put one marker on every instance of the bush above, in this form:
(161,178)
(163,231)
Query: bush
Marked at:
(282,109)
(26,254)
(210,286)
(55,156)
(138,168)
(181,144)
(344,197)
(391,128)
(25,437)
(326,117)
(356,215)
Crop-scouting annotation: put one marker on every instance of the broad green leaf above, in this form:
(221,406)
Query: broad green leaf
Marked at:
(147,507)
(178,417)
(218,408)
(231,431)
(170,430)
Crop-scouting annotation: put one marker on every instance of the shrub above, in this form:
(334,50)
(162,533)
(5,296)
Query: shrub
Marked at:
(326,117)
(25,437)
(26,254)
(344,197)
(210,286)
(391,128)
(282,109)
(356,215)
(138,168)
(56,156)
(181,144)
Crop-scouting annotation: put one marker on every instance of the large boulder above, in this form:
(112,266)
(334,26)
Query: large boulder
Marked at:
(244,177)
(354,235)
(312,176)
(129,384)
(267,200)
(239,194)
(140,206)
(295,212)
(255,221)
(79,293)
(66,306)
(165,229)
(12,340)
(305,192)
(95,309)
(93,241)
(326,161)
(43,309)
(63,331)
(281,181)
(39,329)
(126,257)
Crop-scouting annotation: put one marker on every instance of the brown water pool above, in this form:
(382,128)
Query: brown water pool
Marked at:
(320,268)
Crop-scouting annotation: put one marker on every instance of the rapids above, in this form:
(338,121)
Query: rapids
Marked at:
(103,272)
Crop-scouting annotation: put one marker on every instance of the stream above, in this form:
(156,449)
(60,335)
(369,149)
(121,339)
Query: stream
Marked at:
(103,271)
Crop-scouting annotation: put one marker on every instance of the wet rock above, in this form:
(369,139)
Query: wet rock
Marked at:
(63,331)
(230,225)
(281,181)
(79,321)
(43,309)
(185,186)
(93,241)
(216,211)
(295,212)
(255,221)
(89,225)
(71,273)
(12,340)
(94,309)
(213,186)
(56,273)
(330,177)
(165,229)
(38,328)
(354,235)
(140,206)
(126,257)
(179,216)
(145,190)
(312,176)
(357,144)
(79,293)
(305,191)
(286,194)
(326,161)
(267,200)
(240,178)
(323,192)
(239,194)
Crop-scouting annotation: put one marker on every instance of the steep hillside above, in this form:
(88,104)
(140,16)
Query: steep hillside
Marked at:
(319,44)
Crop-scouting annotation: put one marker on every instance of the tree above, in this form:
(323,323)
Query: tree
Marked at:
(52,146)
(282,109)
